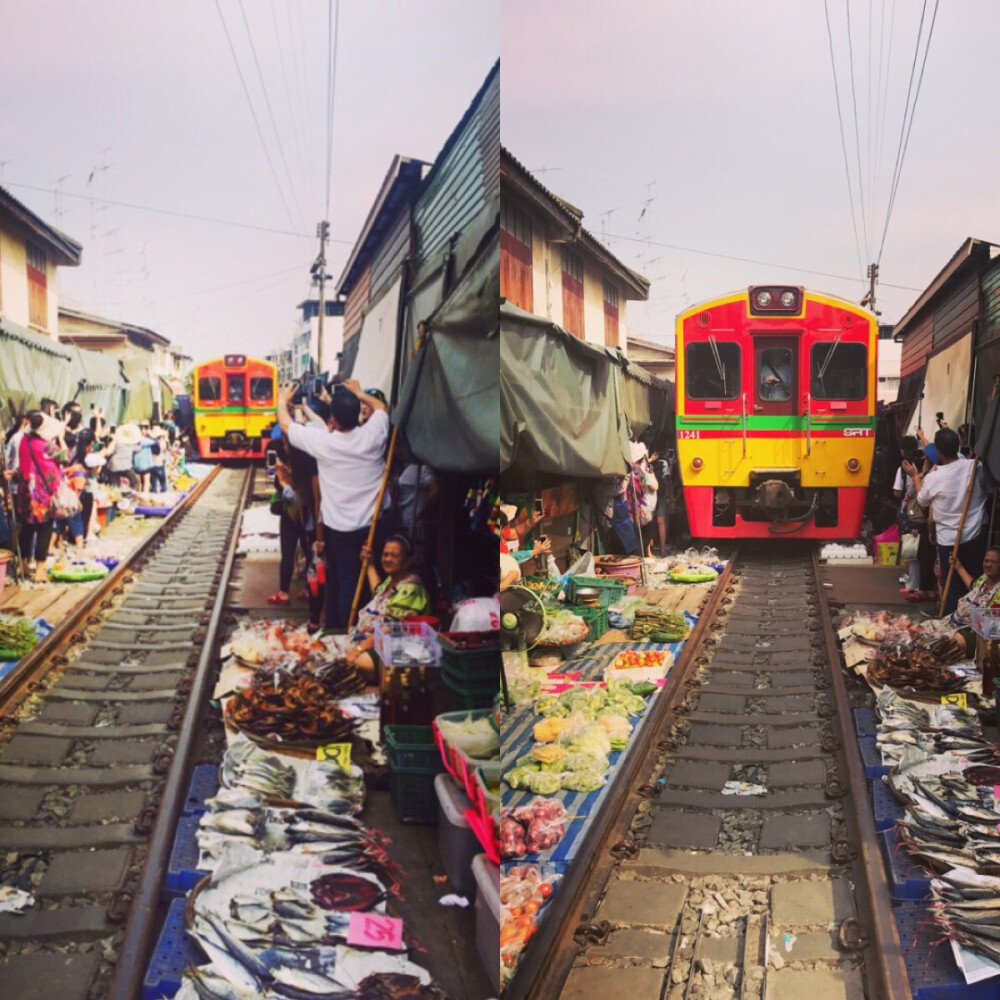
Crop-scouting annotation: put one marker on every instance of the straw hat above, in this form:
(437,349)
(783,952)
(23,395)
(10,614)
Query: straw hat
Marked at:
(509,511)
(128,434)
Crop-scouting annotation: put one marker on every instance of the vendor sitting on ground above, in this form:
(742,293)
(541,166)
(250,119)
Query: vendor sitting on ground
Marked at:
(984,592)
(400,595)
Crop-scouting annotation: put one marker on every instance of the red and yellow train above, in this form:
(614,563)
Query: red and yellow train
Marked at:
(234,406)
(776,410)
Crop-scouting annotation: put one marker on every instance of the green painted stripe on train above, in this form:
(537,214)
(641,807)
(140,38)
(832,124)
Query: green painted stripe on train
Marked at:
(771,423)
(229,410)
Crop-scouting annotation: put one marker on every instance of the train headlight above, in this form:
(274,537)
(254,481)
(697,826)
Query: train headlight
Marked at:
(763,299)
(788,299)
(853,465)
(696,464)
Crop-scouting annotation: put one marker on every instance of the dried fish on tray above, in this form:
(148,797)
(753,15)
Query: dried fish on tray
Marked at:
(297,708)
(919,672)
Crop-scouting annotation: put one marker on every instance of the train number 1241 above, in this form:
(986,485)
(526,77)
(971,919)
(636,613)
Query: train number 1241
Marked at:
(688,435)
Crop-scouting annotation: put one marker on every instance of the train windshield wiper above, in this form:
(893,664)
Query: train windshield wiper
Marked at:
(826,362)
(720,367)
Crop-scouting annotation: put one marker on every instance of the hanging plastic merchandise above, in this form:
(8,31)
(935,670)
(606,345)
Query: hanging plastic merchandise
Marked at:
(483,504)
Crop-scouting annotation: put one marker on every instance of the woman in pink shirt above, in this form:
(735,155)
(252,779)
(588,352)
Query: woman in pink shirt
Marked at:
(40,476)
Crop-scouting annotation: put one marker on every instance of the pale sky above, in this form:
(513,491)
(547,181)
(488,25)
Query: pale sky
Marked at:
(724,114)
(150,91)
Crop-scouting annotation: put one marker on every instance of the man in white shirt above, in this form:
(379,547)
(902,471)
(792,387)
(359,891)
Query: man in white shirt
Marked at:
(350,459)
(944,490)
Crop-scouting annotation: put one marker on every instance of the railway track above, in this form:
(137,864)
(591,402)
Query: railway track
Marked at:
(738,858)
(96,756)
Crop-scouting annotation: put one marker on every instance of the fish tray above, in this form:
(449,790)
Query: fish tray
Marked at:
(930,964)
(865,723)
(175,951)
(885,806)
(204,785)
(907,879)
(871,758)
(182,871)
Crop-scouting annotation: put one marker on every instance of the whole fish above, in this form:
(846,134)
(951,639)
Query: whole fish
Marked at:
(210,986)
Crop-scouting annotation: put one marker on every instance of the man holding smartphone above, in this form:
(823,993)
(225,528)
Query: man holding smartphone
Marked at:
(350,459)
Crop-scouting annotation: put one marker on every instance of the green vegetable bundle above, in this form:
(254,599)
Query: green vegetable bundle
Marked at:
(17,637)
(659,625)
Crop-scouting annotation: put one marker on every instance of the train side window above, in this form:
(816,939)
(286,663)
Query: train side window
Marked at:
(210,389)
(235,388)
(712,370)
(838,371)
(260,389)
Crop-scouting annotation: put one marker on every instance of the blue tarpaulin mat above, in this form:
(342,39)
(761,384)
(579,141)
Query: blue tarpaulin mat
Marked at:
(518,739)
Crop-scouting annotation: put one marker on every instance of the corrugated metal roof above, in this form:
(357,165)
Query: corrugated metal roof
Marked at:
(954,266)
(399,188)
(65,248)
(571,217)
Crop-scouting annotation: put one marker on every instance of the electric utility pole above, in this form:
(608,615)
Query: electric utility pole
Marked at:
(869,299)
(319,275)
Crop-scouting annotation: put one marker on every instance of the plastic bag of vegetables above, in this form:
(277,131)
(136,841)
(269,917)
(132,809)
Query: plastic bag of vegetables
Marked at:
(477,738)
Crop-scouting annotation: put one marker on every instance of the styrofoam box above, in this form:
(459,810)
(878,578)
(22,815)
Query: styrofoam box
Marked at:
(457,843)
(487,877)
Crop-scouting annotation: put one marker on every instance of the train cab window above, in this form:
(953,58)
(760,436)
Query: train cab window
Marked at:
(210,389)
(712,370)
(838,371)
(260,389)
(235,389)
(774,374)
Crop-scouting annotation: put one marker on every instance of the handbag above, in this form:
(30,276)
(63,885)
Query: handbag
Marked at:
(909,547)
(915,513)
(64,502)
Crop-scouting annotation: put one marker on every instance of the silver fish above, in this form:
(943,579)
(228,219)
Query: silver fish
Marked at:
(210,986)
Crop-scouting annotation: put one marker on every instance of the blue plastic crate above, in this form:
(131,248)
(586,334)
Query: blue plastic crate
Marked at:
(885,806)
(204,785)
(930,965)
(182,872)
(865,723)
(871,758)
(907,880)
(175,951)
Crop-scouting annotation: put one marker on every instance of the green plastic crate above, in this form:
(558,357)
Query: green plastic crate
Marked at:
(476,664)
(412,748)
(616,588)
(467,697)
(596,616)
(413,796)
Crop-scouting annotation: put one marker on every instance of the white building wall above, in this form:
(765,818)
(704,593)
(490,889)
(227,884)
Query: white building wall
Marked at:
(13,278)
(889,360)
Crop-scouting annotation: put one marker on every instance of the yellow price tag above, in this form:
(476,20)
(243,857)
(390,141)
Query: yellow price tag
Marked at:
(338,752)
(959,699)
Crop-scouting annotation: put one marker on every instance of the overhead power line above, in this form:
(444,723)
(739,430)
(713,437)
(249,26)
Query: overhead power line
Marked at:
(759,263)
(843,139)
(253,113)
(333,21)
(166,211)
(857,135)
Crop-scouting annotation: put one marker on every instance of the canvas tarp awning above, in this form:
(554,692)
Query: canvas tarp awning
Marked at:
(449,405)
(562,406)
(100,382)
(32,366)
(946,387)
(377,342)
(140,401)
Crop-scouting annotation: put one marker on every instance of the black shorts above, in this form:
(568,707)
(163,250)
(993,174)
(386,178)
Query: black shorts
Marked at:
(664,501)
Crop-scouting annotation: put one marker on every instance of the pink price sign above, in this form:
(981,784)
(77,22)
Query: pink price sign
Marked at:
(372,930)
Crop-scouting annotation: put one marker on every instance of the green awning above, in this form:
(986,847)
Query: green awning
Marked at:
(449,405)
(32,366)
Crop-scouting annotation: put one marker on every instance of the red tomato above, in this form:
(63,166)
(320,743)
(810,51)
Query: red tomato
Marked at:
(545,890)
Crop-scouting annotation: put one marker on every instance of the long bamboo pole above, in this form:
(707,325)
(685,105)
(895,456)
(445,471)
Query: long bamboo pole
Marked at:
(371,528)
(958,536)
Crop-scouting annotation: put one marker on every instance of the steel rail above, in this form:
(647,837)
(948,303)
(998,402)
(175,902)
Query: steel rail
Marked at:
(139,932)
(32,667)
(884,953)
(549,955)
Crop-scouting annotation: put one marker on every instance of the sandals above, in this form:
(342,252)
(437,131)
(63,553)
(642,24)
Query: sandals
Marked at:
(278,597)
(921,596)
